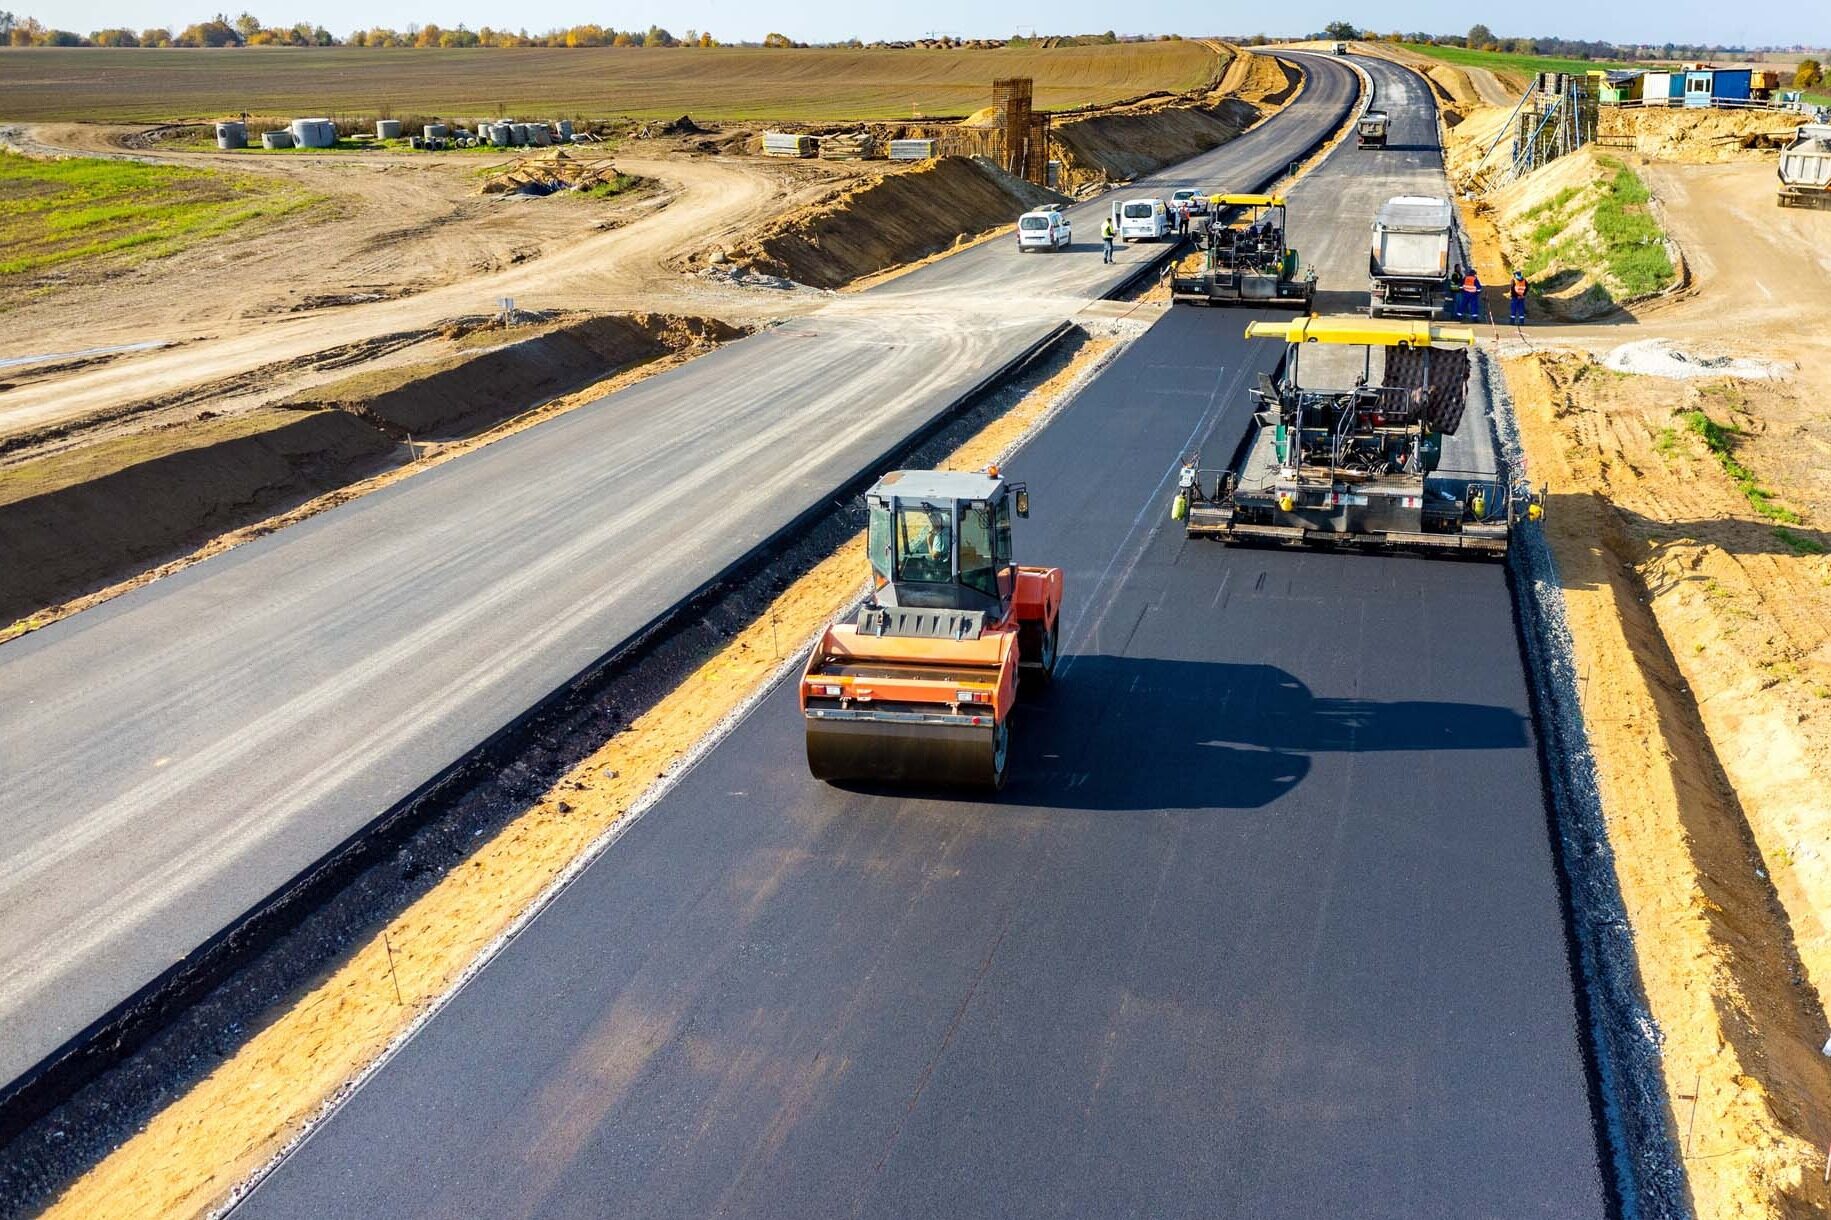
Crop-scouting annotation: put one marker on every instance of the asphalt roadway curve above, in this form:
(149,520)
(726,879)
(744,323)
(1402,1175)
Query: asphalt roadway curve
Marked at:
(172,758)
(1266,923)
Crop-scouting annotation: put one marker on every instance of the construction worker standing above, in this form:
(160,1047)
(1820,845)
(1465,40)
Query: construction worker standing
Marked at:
(1451,287)
(1471,296)
(1106,235)
(1516,300)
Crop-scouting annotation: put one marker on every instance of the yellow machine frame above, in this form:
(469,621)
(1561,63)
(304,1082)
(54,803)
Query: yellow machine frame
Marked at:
(1363,332)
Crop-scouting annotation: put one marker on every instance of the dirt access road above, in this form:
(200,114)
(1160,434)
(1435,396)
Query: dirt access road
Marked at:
(1757,276)
(258,319)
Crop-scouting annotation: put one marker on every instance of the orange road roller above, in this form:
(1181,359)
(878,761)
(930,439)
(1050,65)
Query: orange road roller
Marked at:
(918,688)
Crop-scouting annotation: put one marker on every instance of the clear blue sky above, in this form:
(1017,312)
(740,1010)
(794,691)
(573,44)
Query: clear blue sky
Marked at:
(1752,22)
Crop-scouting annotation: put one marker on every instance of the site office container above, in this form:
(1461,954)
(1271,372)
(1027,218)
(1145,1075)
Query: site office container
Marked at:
(1732,84)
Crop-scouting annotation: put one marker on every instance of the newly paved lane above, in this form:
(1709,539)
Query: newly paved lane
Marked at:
(171,758)
(1266,924)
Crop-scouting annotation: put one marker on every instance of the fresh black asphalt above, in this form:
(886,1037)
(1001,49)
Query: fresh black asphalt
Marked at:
(1266,924)
(173,757)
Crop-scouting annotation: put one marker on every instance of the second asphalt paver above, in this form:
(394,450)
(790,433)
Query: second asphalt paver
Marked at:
(1265,923)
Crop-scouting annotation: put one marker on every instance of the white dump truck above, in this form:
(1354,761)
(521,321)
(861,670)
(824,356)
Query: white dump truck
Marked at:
(1805,168)
(1414,245)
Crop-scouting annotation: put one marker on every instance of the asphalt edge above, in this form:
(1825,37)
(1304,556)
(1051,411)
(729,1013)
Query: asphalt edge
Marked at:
(1645,1179)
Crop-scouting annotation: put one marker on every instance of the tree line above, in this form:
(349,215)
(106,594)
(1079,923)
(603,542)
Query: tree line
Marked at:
(1481,38)
(248,30)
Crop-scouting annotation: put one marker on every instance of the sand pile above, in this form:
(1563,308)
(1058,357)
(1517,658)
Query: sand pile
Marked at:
(1698,136)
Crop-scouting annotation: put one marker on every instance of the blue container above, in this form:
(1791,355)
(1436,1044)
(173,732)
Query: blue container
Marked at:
(1733,84)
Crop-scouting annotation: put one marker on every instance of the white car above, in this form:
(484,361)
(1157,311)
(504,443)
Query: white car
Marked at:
(1144,220)
(1191,200)
(1046,229)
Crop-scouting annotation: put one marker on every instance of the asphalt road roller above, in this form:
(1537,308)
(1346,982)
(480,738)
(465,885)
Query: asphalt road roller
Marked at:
(1246,259)
(1348,455)
(919,686)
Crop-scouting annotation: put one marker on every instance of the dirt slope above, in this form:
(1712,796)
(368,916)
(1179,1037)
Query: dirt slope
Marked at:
(84,518)
(510,373)
(899,218)
(1117,147)
(1701,644)
(1123,143)
(83,521)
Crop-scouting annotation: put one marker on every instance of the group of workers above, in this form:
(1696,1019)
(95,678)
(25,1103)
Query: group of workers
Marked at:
(1462,301)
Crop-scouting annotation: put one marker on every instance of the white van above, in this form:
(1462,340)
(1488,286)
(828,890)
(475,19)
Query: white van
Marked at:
(1045,229)
(1143,220)
(1189,200)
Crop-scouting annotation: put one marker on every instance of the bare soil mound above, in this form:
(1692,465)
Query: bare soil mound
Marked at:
(76,521)
(1698,136)
(900,218)
(1126,144)
(512,371)
(70,524)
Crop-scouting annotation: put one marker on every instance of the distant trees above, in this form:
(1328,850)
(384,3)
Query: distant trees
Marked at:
(216,33)
(1480,37)
(115,38)
(778,40)
(1340,31)
(1808,73)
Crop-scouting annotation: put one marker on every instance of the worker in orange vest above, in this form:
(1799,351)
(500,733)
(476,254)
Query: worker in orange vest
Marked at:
(1516,299)
(1471,296)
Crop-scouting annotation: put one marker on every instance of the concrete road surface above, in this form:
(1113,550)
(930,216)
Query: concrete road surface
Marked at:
(1266,923)
(170,759)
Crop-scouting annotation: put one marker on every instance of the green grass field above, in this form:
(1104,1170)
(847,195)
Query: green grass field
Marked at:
(719,83)
(59,213)
(1500,61)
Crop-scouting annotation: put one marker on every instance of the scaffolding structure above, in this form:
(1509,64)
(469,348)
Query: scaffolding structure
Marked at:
(1023,130)
(1553,118)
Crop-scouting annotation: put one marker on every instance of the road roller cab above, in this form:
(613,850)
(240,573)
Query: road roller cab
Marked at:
(919,686)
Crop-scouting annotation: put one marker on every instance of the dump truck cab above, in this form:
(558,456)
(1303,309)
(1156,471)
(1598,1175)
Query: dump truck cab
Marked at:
(920,685)
(1353,457)
(1247,257)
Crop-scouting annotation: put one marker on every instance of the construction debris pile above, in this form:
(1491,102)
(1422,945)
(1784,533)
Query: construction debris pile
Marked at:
(551,172)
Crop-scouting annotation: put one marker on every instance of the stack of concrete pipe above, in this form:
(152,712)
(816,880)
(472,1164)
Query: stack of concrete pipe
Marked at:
(387,129)
(231,135)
